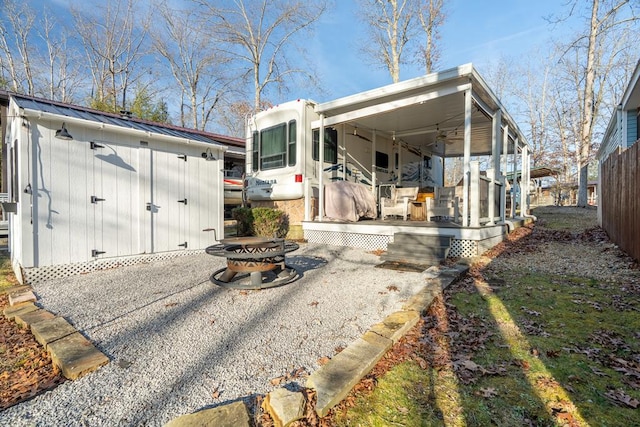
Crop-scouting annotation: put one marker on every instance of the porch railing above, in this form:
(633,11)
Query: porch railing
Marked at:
(4,216)
(480,196)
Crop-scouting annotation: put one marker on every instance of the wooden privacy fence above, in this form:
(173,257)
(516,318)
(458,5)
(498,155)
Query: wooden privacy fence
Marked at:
(620,199)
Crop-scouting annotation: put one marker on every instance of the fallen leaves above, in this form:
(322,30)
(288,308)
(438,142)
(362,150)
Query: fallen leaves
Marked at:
(487,392)
(530,312)
(323,360)
(293,374)
(25,367)
(620,398)
(216,393)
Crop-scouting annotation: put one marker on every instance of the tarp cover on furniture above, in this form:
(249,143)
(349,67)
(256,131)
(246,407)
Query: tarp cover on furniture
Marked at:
(348,201)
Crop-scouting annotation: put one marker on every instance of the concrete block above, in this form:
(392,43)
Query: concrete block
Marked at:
(284,406)
(421,301)
(25,307)
(335,380)
(51,330)
(395,325)
(76,356)
(17,288)
(16,298)
(232,415)
(27,319)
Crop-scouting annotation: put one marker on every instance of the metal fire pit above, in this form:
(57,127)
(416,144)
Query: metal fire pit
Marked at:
(253,262)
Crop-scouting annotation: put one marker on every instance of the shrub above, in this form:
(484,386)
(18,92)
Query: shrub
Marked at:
(244,218)
(269,222)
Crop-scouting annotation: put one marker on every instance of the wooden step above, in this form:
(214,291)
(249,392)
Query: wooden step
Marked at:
(422,239)
(415,259)
(419,250)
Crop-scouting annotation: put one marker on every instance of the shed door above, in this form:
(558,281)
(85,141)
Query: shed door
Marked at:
(170,204)
(115,199)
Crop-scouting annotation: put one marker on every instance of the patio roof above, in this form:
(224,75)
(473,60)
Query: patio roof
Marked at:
(427,112)
(539,172)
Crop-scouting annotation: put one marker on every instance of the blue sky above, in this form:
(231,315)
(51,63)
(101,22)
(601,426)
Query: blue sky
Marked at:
(475,31)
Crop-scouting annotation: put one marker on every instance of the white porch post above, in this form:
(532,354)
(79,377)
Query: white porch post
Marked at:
(308,193)
(321,169)
(514,162)
(474,197)
(524,185)
(505,154)
(373,163)
(399,163)
(495,158)
(466,158)
(344,152)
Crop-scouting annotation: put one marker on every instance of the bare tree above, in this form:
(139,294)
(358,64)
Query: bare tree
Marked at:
(598,51)
(261,33)
(113,43)
(59,75)
(15,43)
(391,27)
(196,64)
(10,68)
(431,16)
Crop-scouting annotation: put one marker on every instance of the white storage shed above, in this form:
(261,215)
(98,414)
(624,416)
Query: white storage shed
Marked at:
(91,190)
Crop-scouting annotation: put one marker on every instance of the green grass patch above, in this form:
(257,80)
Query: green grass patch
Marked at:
(556,339)
(520,348)
(7,278)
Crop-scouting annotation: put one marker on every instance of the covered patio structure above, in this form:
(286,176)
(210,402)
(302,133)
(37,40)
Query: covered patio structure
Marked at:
(450,114)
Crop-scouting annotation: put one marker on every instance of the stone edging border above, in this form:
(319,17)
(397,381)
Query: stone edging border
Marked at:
(70,351)
(333,381)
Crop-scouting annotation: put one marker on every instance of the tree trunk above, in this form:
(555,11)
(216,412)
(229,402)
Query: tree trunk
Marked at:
(587,113)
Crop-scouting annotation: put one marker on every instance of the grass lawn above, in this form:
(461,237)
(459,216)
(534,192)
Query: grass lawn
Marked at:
(515,345)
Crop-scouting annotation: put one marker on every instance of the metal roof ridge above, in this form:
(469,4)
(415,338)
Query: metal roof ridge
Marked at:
(210,135)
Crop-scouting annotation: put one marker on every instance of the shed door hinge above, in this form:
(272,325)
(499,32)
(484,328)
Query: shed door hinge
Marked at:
(183,201)
(183,157)
(95,252)
(94,145)
(95,199)
(183,245)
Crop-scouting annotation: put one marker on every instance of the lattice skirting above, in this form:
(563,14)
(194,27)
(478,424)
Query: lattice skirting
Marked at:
(462,248)
(369,242)
(40,274)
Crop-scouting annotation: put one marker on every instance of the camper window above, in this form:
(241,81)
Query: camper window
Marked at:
(330,145)
(273,147)
(254,151)
(382,160)
(292,143)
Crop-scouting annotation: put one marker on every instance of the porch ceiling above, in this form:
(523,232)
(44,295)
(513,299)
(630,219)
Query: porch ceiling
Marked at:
(427,113)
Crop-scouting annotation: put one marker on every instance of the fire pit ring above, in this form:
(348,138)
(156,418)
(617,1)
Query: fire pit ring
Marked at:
(253,262)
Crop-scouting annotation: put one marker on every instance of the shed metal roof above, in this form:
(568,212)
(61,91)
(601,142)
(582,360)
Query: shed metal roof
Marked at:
(123,121)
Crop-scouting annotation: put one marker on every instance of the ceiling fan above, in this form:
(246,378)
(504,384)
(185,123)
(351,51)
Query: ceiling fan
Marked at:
(447,137)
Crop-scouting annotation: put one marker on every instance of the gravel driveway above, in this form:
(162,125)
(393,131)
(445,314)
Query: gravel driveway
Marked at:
(179,343)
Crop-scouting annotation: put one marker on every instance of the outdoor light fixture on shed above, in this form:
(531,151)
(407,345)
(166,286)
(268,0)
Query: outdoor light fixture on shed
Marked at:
(208,155)
(63,133)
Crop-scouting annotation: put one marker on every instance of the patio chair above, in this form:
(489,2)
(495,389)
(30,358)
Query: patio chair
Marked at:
(398,202)
(445,204)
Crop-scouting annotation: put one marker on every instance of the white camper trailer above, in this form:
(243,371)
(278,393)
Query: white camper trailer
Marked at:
(395,135)
(283,157)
